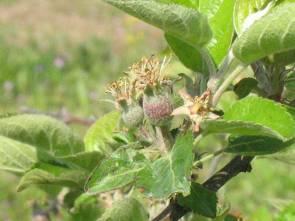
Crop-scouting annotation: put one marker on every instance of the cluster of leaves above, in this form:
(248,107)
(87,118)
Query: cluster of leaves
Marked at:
(156,157)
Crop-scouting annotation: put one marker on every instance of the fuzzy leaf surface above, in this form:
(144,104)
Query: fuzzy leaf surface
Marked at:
(16,157)
(170,174)
(71,171)
(188,3)
(190,56)
(257,145)
(87,207)
(284,58)
(45,173)
(128,209)
(237,127)
(41,132)
(85,160)
(273,33)
(244,8)
(264,112)
(116,177)
(115,172)
(100,134)
(220,14)
(182,22)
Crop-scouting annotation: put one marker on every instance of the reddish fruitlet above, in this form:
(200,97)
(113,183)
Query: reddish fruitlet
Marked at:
(157,108)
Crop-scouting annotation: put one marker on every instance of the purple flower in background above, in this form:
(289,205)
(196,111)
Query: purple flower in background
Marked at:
(59,62)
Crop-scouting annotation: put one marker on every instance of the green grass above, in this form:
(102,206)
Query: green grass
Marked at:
(51,79)
(7,2)
(16,206)
(267,189)
(33,78)
(90,38)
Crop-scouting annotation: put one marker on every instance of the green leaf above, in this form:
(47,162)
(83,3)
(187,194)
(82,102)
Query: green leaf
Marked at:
(220,14)
(128,209)
(283,58)
(245,8)
(100,134)
(285,156)
(245,86)
(273,33)
(257,145)
(201,201)
(226,100)
(121,177)
(179,21)
(115,172)
(264,112)
(85,160)
(70,197)
(220,20)
(291,110)
(87,208)
(170,174)
(230,218)
(288,213)
(289,90)
(16,157)
(190,56)
(41,132)
(236,127)
(45,173)
(188,3)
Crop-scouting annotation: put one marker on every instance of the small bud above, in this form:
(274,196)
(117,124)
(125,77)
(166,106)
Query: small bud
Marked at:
(132,116)
(157,108)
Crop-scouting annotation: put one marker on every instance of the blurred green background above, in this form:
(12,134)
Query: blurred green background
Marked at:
(58,55)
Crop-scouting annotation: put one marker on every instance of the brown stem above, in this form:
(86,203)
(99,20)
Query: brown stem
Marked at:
(237,165)
(165,212)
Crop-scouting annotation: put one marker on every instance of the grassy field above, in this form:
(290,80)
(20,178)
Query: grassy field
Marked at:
(58,55)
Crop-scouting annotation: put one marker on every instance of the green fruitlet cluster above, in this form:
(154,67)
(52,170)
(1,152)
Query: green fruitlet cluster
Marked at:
(144,94)
(145,97)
